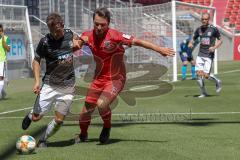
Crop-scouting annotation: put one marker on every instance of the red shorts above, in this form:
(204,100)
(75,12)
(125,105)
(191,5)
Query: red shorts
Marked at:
(107,88)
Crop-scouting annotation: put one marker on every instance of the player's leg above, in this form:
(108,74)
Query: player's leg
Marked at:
(64,100)
(93,94)
(41,106)
(193,71)
(84,121)
(184,70)
(200,76)
(2,69)
(109,94)
(210,76)
(51,129)
(184,65)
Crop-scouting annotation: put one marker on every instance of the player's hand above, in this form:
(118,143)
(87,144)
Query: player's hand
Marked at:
(78,43)
(85,39)
(190,45)
(211,49)
(167,51)
(36,88)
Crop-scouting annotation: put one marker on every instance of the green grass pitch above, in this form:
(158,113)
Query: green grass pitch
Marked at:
(171,125)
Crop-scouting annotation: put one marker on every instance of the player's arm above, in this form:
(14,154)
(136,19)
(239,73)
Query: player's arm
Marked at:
(148,45)
(194,38)
(36,65)
(5,43)
(78,42)
(218,42)
(36,72)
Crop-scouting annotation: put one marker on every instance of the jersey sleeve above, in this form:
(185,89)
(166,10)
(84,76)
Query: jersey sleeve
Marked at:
(217,34)
(41,49)
(196,34)
(125,39)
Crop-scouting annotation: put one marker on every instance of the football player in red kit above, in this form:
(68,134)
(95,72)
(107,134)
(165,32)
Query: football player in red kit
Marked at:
(107,46)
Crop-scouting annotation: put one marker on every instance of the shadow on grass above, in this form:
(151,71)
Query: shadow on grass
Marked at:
(188,122)
(196,96)
(116,140)
(11,149)
(61,143)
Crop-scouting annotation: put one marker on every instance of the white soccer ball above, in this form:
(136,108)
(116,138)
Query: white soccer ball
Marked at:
(26,144)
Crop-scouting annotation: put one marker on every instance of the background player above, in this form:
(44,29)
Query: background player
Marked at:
(186,56)
(208,35)
(4,48)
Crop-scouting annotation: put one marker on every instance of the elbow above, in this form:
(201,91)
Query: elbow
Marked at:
(137,42)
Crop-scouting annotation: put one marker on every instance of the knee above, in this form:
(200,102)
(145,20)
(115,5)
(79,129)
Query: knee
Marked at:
(200,73)
(184,63)
(100,103)
(88,109)
(103,102)
(89,105)
(206,76)
(58,121)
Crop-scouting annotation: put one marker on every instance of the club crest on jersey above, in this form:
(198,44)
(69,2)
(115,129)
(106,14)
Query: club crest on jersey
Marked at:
(109,46)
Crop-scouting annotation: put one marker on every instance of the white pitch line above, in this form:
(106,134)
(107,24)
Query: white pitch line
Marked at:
(180,113)
(233,71)
(18,110)
(130,89)
(143,87)
(150,114)
(78,98)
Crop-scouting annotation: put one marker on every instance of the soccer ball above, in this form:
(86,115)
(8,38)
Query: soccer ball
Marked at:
(26,144)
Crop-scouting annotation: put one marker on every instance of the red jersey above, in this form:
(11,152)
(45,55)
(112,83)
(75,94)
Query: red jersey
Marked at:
(108,53)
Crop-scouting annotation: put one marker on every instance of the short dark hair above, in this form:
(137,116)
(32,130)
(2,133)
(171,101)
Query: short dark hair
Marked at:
(54,18)
(1,26)
(102,12)
(209,16)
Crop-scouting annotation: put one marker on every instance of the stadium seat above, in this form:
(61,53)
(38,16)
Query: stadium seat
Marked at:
(237,28)
(238,20)
(207,2)
(187,1)
(232,21)
(228,10)
(226,16)
(234,11)
(235,6)
(230,4)
(201,2)
(195,1)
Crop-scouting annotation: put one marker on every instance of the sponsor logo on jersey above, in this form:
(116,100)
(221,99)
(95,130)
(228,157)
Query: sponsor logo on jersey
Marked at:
(205,41)
(126,36)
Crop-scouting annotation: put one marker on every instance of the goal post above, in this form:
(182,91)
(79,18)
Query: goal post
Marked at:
(15,21)
(166,24)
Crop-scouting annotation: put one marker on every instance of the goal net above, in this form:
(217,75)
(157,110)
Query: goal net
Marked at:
(15,21)
(165,24)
